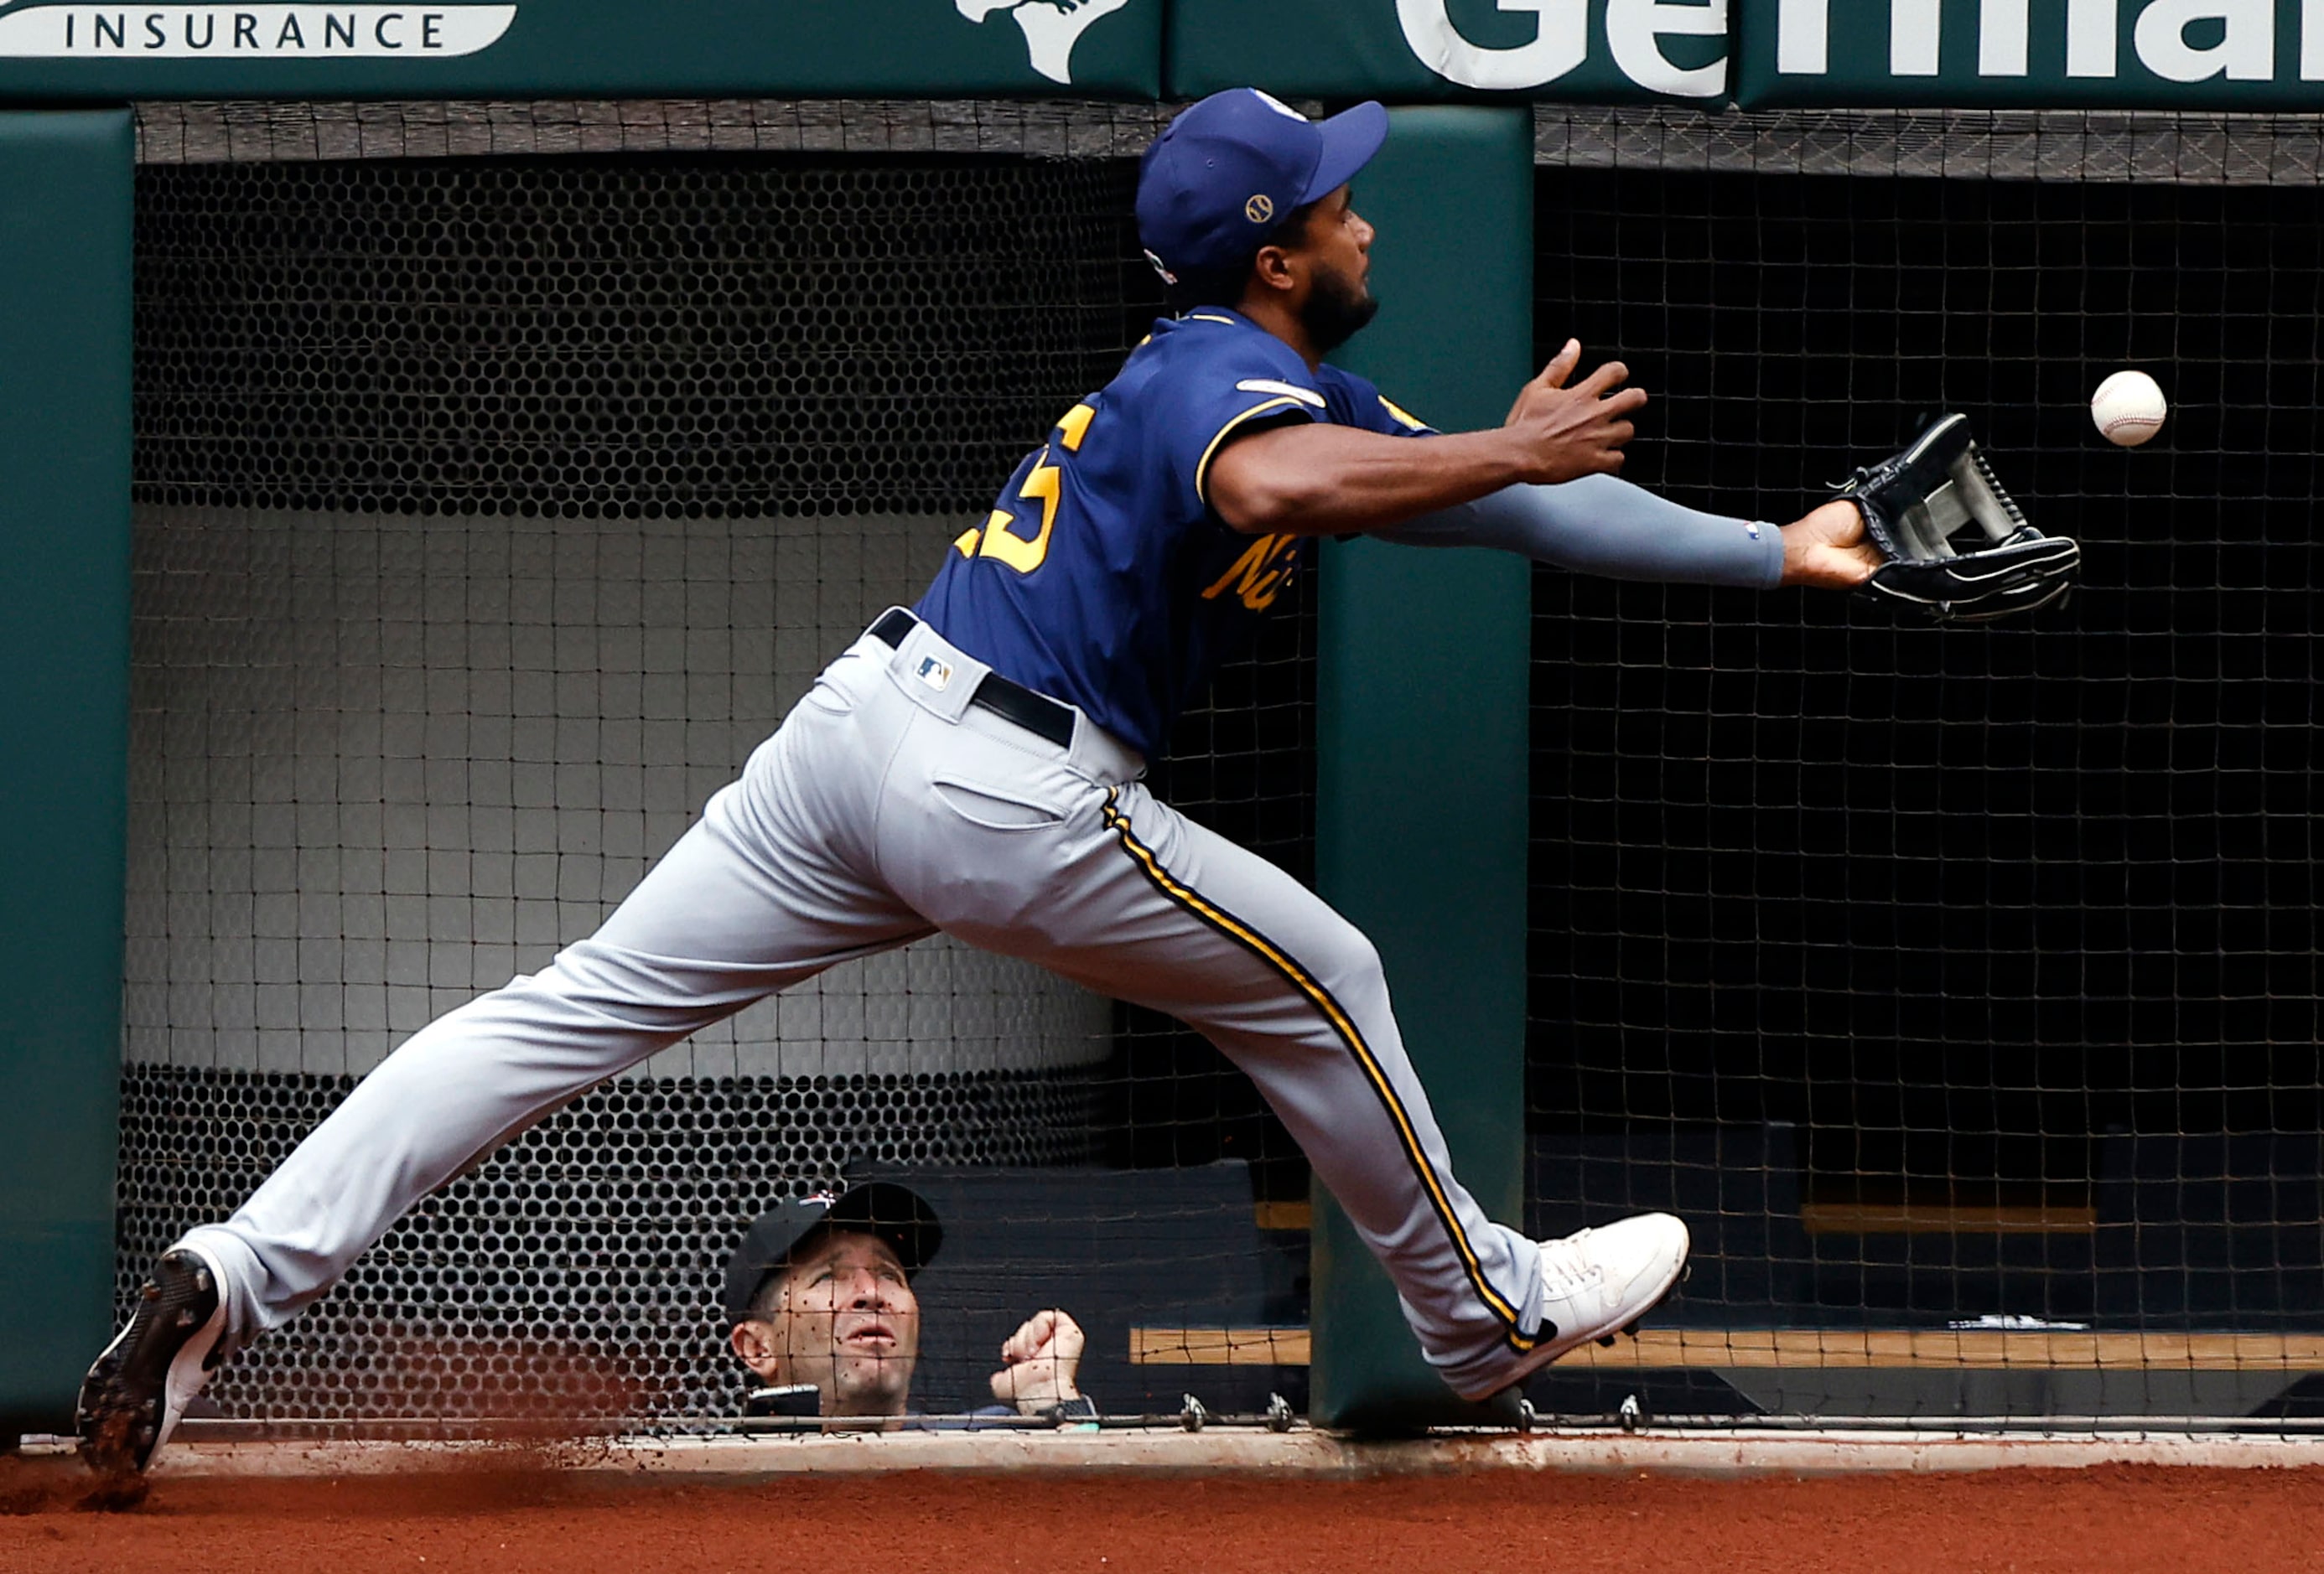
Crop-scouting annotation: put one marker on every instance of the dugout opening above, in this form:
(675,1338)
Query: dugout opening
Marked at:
(1995,946)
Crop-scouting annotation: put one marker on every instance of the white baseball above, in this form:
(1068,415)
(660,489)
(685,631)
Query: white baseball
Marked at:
(2128,409)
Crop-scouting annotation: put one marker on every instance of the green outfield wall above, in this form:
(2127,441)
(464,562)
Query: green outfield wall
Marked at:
(1421,731)
(64,709)
(2188,54)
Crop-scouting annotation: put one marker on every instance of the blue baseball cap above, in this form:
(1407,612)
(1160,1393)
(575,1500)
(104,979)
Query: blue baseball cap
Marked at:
(1223,174)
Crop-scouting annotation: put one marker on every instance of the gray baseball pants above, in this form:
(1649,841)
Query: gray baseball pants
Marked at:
(887,805)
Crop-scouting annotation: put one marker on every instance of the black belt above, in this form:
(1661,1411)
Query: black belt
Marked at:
(1037,713)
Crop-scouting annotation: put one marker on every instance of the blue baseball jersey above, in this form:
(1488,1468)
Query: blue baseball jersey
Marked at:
(1103,576)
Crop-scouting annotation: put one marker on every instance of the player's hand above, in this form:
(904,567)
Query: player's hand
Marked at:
(1827,548)
(1570,432)
(1039,1362)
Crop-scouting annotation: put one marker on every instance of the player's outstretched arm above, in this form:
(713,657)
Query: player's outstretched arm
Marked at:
(1323,480)
(1604,526)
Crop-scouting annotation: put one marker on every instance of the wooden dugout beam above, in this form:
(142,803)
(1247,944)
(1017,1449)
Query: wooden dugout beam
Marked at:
(1714,1350)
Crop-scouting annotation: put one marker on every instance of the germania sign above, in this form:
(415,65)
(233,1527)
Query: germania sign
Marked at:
(2129,54)
(2228,54)
(1633,31)
(1577,50)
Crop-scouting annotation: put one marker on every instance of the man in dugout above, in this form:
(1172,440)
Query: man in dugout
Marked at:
(819,1306)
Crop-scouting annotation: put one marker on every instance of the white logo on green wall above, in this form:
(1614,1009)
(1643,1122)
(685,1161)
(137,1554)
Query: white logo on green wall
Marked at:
(165,32)
(1635,29)
(1051,27)
(2177,41)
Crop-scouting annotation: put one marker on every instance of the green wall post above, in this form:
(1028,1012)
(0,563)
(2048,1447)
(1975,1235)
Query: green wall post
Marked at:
(1421,779)
(65,199)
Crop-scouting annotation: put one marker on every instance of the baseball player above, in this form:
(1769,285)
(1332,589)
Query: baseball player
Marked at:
(974,764)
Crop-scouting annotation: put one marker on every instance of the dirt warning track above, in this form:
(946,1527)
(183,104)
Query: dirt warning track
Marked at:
(504,1520)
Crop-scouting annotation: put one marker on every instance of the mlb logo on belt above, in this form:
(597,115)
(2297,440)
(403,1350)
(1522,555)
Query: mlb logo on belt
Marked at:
(933,673)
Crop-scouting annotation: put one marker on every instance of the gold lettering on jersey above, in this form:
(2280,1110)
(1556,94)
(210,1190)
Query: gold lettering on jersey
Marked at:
(992,539)
(965,545)
(1042,487)
(1252,578)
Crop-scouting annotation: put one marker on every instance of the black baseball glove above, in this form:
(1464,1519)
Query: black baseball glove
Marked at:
(1915,503)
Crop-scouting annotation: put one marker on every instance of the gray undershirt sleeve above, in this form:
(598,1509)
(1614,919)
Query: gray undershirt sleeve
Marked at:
(1605,526)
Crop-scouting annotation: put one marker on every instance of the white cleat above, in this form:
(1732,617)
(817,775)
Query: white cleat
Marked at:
(1598,1283)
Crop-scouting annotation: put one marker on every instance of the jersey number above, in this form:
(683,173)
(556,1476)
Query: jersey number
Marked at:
(993,538)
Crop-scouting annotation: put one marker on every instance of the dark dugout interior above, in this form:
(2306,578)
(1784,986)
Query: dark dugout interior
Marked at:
(1988,931)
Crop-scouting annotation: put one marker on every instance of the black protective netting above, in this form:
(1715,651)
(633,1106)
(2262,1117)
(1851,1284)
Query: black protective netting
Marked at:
(1947,974)
(490,510)
(574,1273)
(674,336)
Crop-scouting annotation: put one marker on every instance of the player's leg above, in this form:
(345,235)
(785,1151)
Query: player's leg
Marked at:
(1487,1305)
(1066,860)
(711,929)
(768,888)
(1296,997)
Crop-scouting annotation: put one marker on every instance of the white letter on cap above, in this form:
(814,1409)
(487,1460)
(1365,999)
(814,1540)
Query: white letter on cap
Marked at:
(2246,54)
(1633,28)
(1561,43)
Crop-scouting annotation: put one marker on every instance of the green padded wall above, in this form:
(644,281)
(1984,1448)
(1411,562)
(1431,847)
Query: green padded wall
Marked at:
(1421,732)
(562,49)
(64,705)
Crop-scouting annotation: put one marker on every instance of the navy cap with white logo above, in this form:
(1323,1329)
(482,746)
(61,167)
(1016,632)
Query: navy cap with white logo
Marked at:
(896,1214)
(1232,167)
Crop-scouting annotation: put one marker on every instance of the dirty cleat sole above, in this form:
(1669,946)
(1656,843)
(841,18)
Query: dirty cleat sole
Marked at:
(134,1392)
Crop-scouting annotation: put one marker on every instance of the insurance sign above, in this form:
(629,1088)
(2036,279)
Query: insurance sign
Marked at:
(567,48)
